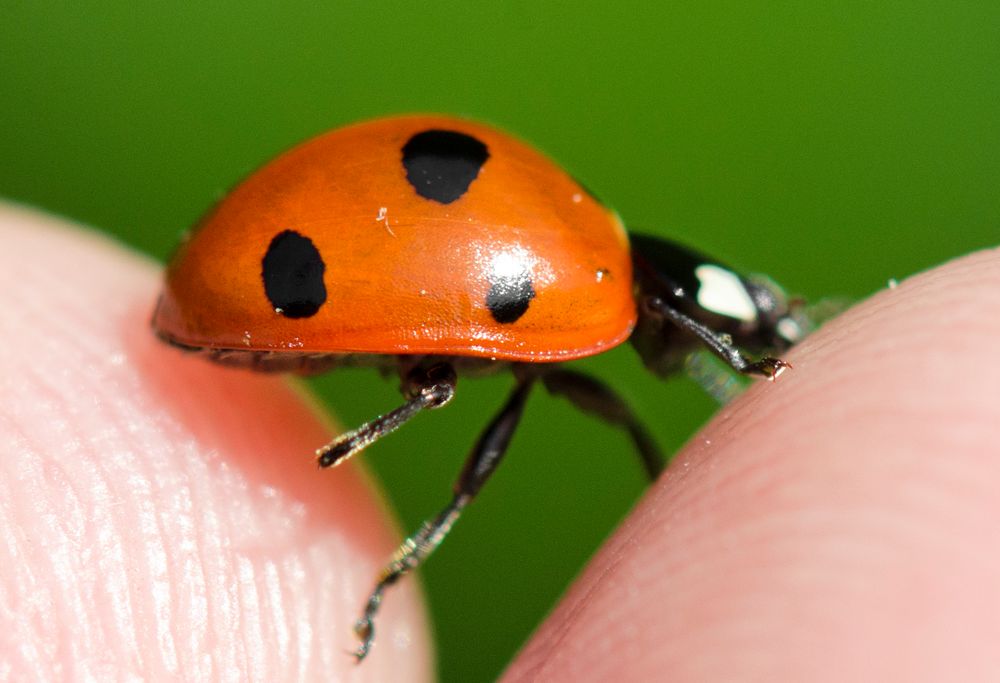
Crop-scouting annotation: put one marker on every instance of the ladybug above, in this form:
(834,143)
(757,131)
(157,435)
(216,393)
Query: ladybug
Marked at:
(437,246)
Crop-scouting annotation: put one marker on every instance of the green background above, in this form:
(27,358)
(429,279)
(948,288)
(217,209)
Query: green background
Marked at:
(831,145)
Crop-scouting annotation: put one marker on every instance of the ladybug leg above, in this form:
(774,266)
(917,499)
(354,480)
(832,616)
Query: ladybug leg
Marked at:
(712,376)
(481,463)
(424,388)
(592,396)
(718,344)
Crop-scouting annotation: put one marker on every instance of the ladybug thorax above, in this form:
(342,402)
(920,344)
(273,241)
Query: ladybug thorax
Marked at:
(424,235)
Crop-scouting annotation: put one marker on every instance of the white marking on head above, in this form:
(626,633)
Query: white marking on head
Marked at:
(723,292)
(789,330)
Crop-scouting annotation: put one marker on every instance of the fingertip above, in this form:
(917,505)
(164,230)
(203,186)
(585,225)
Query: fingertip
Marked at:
(834,525)
(164,515)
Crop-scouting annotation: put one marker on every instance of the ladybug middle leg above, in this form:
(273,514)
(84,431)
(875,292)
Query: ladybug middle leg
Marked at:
(597,398)
(481,463)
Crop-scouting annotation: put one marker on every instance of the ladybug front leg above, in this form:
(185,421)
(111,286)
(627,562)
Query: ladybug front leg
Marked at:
(481,463)
(718,344)
(597,398)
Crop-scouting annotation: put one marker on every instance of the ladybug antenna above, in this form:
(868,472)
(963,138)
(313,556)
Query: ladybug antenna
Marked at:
(424,387)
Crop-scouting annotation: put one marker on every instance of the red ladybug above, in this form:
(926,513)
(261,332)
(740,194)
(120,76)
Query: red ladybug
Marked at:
(436,245)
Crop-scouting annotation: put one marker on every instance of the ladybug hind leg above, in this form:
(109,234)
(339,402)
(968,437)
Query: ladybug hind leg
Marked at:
(424,387)
(481,463)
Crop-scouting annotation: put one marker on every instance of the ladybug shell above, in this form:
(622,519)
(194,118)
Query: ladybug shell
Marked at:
(407,235)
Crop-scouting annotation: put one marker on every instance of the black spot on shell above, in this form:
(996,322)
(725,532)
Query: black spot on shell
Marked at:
(292,270)
(441,164)
(509,297)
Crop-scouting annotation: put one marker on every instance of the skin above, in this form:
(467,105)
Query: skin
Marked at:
(143,534)
(835,525)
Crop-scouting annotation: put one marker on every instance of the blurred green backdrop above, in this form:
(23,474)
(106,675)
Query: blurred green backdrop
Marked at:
(831,145)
